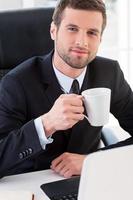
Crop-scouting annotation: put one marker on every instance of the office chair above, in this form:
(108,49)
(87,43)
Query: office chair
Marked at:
(25,33)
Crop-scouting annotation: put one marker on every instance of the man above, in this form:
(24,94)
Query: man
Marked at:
(41,125)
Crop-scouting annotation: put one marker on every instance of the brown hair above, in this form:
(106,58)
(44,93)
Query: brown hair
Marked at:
(92,5)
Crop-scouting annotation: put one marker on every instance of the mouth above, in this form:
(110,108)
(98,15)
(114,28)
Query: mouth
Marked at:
(79,51)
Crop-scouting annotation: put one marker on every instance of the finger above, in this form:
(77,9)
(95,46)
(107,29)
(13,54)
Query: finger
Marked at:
(64,170)
(76,101)
(76,117)
(72,99)
(76,109)
(68,96)
(68,174)
(56,162)
(59,167)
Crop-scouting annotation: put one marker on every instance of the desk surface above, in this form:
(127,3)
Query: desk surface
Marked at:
(29,181)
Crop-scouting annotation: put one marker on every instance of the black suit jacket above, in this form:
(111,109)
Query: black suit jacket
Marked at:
(30,90)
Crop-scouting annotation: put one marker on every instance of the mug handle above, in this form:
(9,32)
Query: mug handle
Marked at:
(86,118)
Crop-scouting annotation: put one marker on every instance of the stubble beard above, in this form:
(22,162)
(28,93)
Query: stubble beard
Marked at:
(76,63)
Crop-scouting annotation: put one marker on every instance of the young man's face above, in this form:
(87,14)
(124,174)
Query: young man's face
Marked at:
(78,37)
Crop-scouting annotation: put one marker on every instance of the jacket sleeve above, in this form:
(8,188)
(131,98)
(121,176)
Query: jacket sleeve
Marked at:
(122,100)
(19,142)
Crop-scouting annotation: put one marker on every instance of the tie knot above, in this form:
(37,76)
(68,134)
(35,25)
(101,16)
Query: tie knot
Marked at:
(75,87)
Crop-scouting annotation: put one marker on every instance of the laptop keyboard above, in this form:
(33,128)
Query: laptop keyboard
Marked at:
(66,197)
(66,189)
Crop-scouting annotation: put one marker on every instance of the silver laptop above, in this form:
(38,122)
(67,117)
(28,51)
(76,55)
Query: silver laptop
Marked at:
(106,175)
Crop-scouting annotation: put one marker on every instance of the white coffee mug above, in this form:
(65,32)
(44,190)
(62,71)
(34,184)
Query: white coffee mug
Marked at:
(97,105)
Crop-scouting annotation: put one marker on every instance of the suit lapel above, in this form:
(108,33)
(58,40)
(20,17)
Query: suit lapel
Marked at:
(49,80)
(86,83)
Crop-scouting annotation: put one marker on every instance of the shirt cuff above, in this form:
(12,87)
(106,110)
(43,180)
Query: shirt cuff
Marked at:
(41,133)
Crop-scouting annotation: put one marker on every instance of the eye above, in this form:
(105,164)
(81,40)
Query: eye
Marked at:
(72,29)
(92,33)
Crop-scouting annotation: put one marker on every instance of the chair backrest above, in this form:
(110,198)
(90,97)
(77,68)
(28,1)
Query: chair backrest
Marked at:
(23,34)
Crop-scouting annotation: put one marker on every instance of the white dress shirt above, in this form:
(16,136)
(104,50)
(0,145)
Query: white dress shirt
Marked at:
(65,83)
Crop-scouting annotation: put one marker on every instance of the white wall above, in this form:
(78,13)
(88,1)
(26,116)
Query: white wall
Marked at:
(12,4)
(38,3)
(16,4)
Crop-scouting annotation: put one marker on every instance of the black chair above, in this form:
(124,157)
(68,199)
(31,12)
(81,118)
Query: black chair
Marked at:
(25,33)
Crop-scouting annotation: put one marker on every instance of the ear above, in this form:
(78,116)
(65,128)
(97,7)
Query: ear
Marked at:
(53,30)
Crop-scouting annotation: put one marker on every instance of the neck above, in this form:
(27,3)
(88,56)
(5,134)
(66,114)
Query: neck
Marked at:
(64,68)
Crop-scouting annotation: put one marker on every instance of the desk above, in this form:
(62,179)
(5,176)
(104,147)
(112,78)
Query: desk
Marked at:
(29,181)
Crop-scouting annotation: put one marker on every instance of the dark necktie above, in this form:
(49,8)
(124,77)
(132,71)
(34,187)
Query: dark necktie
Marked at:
(75,87)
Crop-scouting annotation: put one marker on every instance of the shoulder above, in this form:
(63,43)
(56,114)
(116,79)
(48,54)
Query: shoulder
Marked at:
(30,68)
(102,64)
(30,65)
(105,71)
(105,61)
(27,74)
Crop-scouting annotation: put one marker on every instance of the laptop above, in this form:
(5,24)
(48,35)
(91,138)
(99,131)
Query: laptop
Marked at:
(106,175)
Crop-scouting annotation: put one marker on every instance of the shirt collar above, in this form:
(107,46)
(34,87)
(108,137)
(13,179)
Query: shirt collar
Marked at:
(66,82)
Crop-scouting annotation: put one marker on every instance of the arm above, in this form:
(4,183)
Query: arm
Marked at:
(122,109)
(122,101)
(17,128)
(19,139)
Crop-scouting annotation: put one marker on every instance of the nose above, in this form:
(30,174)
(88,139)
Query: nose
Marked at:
(82,40)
